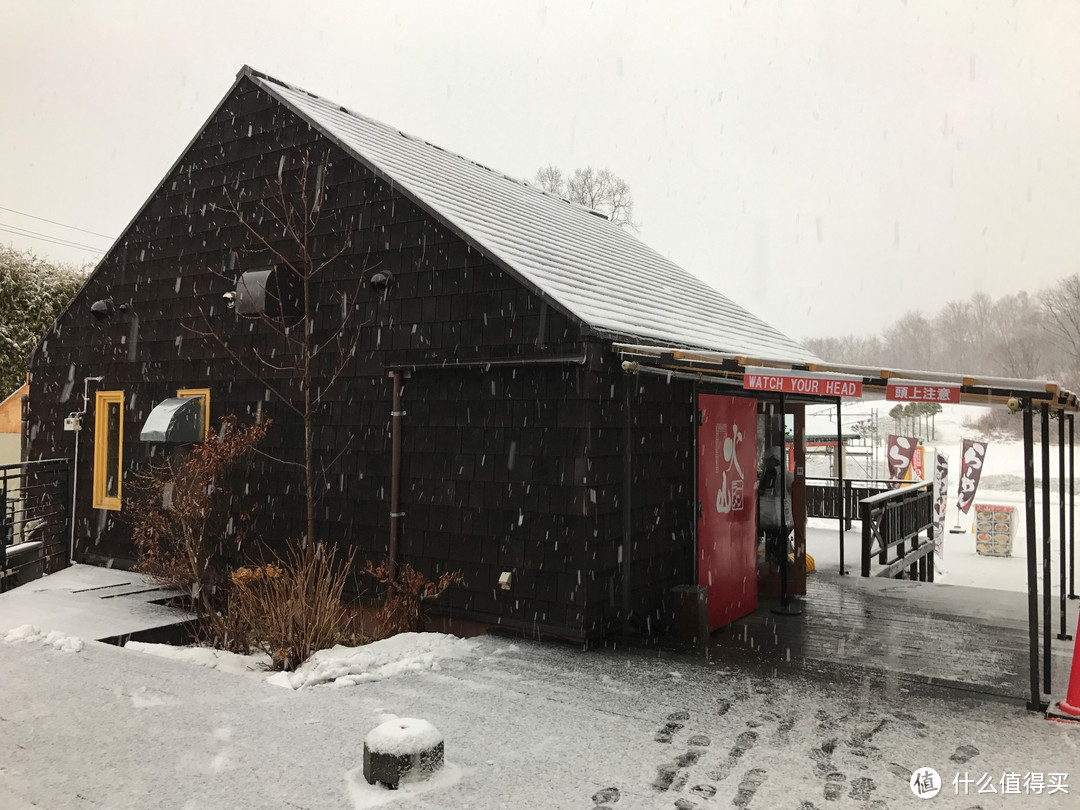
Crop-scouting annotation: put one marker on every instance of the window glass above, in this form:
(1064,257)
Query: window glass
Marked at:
(108,449)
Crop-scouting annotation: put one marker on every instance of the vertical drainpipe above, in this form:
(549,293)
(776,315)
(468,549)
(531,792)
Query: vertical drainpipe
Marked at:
(1035,704)
(395,472)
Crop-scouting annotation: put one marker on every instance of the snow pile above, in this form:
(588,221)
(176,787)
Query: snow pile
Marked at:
(206,657)
(28,634)
(348,666)
(403,736)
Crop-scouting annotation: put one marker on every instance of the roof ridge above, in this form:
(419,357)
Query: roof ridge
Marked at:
(592,270)
(251,72)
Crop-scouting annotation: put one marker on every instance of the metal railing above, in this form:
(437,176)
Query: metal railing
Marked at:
(892,525)
(34,517)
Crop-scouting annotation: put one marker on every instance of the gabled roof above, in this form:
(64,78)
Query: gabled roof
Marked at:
(591,268)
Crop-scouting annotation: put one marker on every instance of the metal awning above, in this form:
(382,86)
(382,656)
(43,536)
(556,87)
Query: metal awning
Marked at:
(177,420)
(732,369)
(819,381)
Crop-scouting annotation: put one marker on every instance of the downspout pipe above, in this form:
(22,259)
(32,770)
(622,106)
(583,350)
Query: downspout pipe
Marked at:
(75,463)
(395,471)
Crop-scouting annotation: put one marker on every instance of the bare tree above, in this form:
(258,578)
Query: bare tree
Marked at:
(1016,335)
(285,225)
(1061,308)
(598,189)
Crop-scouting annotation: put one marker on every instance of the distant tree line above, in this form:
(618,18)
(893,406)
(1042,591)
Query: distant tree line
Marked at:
(1030,336)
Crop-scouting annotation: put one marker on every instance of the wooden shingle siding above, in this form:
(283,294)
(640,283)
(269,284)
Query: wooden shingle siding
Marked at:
(516,466)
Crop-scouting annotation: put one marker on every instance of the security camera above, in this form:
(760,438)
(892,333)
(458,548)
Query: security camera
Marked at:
(230,299)
(1014,404)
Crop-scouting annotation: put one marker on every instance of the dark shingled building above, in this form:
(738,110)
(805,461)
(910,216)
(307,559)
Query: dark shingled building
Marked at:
(491,306)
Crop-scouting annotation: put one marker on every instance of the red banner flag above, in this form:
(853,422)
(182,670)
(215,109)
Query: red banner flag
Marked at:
(971,464)
(899,452)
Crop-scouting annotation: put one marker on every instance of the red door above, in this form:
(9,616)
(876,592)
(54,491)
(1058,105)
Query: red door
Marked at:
(727,490)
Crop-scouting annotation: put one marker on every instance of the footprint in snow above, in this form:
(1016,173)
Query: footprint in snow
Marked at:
(749,785)
(607,796)
(964,753)
(861,788)
(834,786)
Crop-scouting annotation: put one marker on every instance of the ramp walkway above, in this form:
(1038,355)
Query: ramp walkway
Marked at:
(99,604)
(913,635)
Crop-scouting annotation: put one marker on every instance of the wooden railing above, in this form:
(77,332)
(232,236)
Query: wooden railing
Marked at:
(892,525)
(822,496)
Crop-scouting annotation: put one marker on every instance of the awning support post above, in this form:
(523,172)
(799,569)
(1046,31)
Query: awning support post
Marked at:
(627,515)
(786,608)
(1044,412)
(1035,704)
(1062,635)
(840,493)
(1072,514)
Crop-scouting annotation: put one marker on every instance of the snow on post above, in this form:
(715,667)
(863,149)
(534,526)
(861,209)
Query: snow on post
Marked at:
(402,748)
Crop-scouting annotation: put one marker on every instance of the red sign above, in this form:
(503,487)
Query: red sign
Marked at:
(923,392)
(815,386)
(727,492)
(916,467)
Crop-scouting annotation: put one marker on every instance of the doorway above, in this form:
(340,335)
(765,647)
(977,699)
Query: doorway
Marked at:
(727,506)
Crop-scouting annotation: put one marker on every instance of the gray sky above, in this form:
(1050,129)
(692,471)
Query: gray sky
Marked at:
(828,165)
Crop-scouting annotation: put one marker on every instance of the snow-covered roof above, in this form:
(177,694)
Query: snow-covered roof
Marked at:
(589,266)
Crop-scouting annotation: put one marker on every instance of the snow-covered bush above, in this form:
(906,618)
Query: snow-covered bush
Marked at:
(33,293)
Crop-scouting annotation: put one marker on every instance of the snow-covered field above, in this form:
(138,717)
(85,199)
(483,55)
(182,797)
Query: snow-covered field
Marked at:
(528,725)
(960,564)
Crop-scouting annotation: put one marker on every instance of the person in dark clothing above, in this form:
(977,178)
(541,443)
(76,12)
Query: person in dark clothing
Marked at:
(774,504)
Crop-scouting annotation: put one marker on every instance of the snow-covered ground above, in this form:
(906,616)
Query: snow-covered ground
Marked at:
(526,725)
(84,724)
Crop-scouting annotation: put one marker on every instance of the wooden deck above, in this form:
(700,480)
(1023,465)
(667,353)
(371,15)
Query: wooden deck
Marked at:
(914,635)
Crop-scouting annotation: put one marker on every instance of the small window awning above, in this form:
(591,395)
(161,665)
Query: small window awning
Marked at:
(273,292)
(177,420)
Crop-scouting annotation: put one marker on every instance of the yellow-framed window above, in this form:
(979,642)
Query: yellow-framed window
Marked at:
(192,393)
(108,449)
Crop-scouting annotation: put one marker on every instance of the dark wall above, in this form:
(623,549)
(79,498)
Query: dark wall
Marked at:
(507,467)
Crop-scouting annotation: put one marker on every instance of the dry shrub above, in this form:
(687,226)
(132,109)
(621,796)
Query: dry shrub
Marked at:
(291,607)
(402,607)
(185,519)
